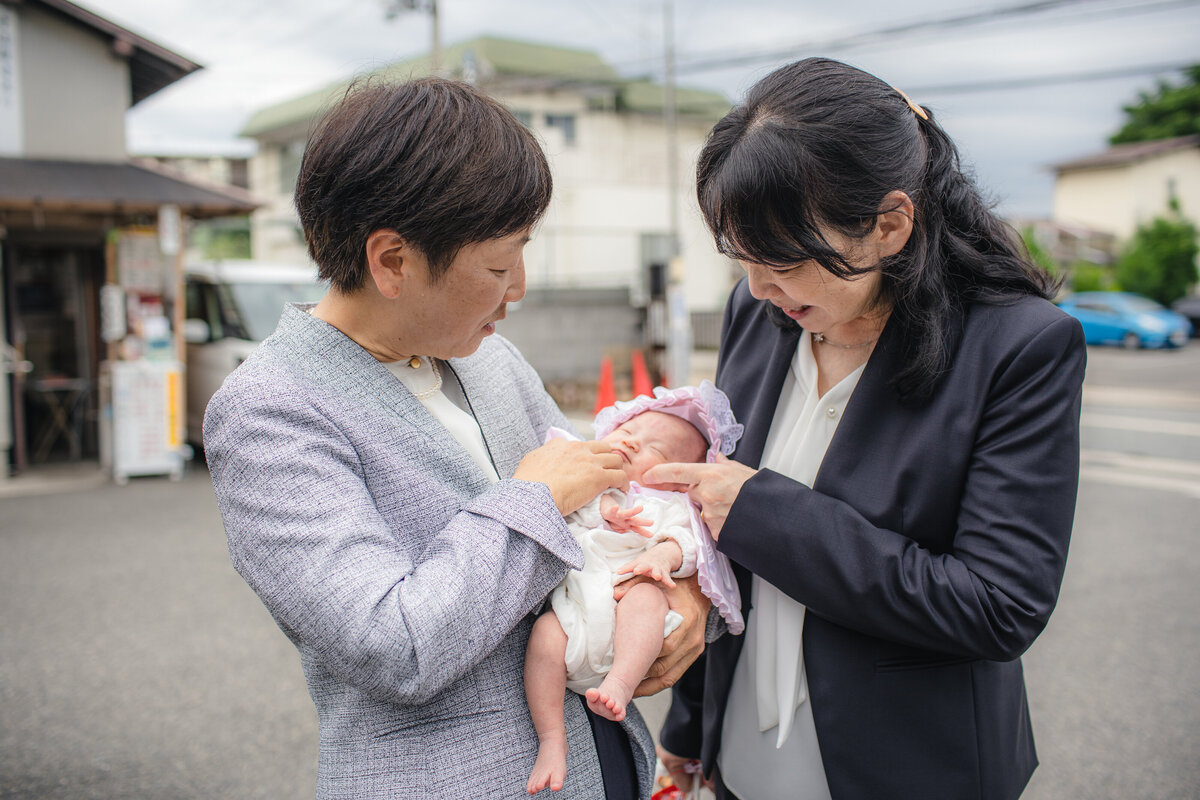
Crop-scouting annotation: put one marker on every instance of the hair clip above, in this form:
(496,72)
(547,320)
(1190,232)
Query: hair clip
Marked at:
(916,109)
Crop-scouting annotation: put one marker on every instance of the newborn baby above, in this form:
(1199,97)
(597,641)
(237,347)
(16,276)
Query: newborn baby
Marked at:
(590,643)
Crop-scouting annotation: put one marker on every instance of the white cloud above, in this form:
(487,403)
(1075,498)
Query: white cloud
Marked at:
(261,53)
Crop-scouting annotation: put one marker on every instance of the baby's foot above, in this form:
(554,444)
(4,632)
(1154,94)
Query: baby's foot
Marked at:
(609,700)
(550,769)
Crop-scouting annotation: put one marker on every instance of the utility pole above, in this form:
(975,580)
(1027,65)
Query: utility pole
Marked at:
(670,124)
(679,324)
(435,31)
(396,7)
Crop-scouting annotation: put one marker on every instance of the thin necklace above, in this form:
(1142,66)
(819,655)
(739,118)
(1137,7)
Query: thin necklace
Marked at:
(415,363)
(819,338)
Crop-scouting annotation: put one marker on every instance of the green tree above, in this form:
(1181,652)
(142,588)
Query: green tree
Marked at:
(1038,254)
(227,237)
(1160,260)
(1089,277)
(1168,111)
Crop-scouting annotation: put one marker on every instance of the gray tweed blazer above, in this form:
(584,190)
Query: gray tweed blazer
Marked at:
(405,579)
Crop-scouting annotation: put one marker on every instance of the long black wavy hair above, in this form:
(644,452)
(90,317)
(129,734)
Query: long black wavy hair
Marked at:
(819,143)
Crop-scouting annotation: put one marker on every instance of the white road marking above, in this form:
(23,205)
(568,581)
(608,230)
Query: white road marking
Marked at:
(1141,481)
(1140,463)
(1141,424)
(1141,398)
(1142,472)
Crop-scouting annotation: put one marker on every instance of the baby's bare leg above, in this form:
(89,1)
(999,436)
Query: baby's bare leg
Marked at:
(637,641)
(545,685)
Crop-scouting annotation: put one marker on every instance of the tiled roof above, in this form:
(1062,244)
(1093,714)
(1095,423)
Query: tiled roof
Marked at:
(1122,154)
(118,186)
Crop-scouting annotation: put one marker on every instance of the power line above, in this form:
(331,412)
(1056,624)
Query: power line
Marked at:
(1045,80)
(911,28)
(646,67)
(705,62)
(708,63)
(1075,20)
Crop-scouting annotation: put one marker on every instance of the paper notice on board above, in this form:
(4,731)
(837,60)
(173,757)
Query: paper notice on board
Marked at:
(140,263)
(112,313)
(170,229)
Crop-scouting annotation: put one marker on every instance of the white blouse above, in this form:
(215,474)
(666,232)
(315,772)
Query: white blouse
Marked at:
(447,404)
(769,746)
(459,421)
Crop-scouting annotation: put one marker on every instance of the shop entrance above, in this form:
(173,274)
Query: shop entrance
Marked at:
(53,316)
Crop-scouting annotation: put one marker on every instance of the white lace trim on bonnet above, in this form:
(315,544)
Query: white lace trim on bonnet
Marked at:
(705,406)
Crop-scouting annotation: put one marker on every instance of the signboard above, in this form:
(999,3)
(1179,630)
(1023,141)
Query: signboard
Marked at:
(12,123)
(170,229)
(146,426)
(112,313)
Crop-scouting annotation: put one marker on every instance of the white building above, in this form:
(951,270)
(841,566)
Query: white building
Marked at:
(1129,185)
(607,144)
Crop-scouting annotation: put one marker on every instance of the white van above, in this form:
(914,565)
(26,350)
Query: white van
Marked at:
(231,307)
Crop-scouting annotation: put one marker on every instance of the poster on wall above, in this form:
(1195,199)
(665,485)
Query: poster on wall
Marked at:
(141,266)
(142,382)
(146,282)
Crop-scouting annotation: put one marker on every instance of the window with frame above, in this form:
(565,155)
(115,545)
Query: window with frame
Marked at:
(290,156)
(564,123)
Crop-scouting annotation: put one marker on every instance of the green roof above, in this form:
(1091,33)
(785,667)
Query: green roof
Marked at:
(644,96)
(510,57)
(491,56)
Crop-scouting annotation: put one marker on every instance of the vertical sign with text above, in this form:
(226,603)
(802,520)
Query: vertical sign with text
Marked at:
(11,119)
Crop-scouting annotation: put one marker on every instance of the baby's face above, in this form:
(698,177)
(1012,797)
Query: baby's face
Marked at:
(653,437)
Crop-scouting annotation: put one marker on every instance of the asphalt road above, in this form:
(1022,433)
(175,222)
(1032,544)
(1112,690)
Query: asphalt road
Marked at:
(1112,680)
(134,663)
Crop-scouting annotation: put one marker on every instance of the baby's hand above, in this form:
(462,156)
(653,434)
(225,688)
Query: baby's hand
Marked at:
(657,563)
(624,520)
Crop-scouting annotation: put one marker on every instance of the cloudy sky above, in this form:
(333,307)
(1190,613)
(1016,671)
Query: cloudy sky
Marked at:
(989,82)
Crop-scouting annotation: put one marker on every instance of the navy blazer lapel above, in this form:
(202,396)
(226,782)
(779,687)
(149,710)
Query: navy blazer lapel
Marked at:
(753,383)
(756,399)
(874,403)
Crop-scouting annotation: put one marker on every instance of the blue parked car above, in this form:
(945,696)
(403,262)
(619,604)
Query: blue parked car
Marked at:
(1127,319)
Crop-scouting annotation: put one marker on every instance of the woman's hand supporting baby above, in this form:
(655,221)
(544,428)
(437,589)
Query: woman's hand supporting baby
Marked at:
(685,644)
(713,487)
(575,472)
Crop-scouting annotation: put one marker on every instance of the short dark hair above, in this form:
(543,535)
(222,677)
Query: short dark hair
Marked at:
(819,143)
(435,160)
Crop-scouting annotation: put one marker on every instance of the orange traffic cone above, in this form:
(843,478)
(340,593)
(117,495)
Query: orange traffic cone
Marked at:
(641,376)
(606,390)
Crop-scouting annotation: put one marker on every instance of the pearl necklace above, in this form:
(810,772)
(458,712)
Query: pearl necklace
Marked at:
(415,363)
(819,338)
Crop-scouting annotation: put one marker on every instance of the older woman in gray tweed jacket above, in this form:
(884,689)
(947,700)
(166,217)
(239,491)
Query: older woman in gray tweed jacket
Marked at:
(378,467)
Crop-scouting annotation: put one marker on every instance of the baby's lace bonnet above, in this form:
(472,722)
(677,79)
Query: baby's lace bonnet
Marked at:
(705,406)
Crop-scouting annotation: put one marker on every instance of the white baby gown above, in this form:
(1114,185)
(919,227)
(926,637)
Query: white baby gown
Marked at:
(584,603)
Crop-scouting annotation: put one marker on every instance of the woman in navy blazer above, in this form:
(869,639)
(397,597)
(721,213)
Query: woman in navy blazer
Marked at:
(926,547)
